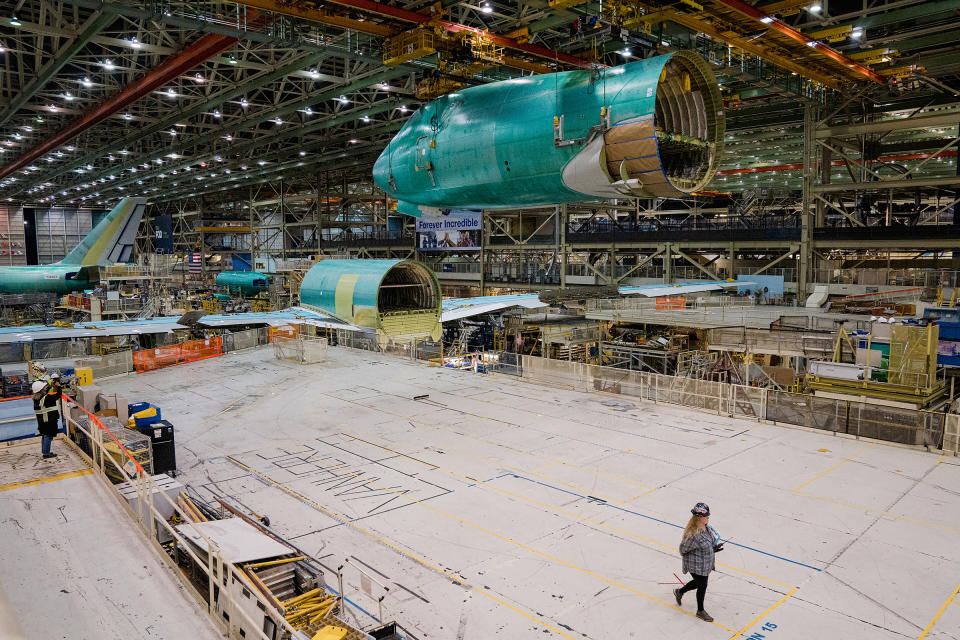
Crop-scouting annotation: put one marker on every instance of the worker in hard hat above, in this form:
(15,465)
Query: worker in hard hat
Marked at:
(46,400)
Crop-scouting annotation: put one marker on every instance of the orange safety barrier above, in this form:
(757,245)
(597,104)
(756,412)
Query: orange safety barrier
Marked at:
(190,351)
(95,422)
(671,303)
(284,331)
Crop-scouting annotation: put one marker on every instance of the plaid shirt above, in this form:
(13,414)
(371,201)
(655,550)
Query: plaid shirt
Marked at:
(697,552)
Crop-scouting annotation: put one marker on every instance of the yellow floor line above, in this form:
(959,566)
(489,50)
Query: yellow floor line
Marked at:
(498,444)
(844,461)
(455,578)
(940,459)
(30,483)
(939,613)
(760,617)
(532,550)
(562,511)
(860,507)
(639,495)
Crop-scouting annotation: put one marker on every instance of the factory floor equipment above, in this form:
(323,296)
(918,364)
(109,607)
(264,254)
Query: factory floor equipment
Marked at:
(528,510)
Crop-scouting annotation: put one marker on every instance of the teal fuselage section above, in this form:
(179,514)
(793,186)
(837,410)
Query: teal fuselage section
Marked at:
(60,278)
(492,146)
(246,283)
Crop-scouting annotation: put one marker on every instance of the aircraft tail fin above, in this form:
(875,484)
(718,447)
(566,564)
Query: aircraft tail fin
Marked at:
(112,239)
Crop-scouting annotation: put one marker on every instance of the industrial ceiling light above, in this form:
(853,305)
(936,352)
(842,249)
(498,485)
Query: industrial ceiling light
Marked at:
(216,113)
(857,33)
(486,8)
(68,96)
(403,108)
(173,132)
(366,118)
(135,43)
(14,22)
(303,153)
(626,52)
(344,100)
(171,93)
(232,60)
(244,103)
(308,111)
(198,79)
(128,116)
(108,65)
(816,7)
(314,73)
(86,82)
(278,121)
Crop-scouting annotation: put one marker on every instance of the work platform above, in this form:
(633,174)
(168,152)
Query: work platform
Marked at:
(75,565)
(495,508)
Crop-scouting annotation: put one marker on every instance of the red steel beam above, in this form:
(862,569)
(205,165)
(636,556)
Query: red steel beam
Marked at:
(454,27)
(773,23)
(836,163)
(177,64)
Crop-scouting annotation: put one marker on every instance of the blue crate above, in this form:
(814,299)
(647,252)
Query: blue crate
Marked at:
(136,407)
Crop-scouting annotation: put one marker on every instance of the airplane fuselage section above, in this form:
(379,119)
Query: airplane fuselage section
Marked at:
(650,128)
(61,278)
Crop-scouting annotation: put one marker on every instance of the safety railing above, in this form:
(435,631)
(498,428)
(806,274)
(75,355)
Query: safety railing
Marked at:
(301,349)
(854,417)
(151,521)
(190,351)
(110,364)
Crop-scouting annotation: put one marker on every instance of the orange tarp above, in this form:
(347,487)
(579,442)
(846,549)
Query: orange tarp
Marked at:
(191,351)
(671,303)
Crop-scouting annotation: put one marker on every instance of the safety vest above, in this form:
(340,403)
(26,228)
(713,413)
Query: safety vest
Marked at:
(43,411)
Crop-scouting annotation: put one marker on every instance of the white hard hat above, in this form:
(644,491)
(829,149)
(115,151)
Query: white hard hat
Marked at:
(39,386)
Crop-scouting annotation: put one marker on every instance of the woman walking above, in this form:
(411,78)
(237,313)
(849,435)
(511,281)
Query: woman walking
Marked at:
(699,544)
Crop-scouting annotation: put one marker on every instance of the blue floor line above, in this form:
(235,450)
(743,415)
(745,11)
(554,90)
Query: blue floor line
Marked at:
(375,618)
(643,515)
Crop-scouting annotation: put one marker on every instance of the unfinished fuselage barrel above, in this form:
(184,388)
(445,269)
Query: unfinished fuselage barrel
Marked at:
(244,283)
(396,297)
(649,128)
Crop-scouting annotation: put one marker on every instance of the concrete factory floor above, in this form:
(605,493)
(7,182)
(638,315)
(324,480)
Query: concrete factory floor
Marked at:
(72,562)
(501,509)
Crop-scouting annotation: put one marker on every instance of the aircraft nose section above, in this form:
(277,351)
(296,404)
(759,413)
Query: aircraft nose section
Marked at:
(381,173)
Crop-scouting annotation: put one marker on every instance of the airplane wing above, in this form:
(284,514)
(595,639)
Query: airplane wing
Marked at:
(293,315)
(681,288)
(457,308)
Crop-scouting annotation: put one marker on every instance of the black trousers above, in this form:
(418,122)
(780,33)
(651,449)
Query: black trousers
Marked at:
(700,584)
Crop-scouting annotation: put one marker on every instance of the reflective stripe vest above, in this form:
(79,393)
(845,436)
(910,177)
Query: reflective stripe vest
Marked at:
(40,408)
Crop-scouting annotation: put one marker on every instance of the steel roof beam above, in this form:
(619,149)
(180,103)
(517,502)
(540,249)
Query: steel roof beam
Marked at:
(414,17)
(86,32)
(195,110)
(935,120)
(819,47)
(328,93)
(250,145)
(203,49)
(236,180)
